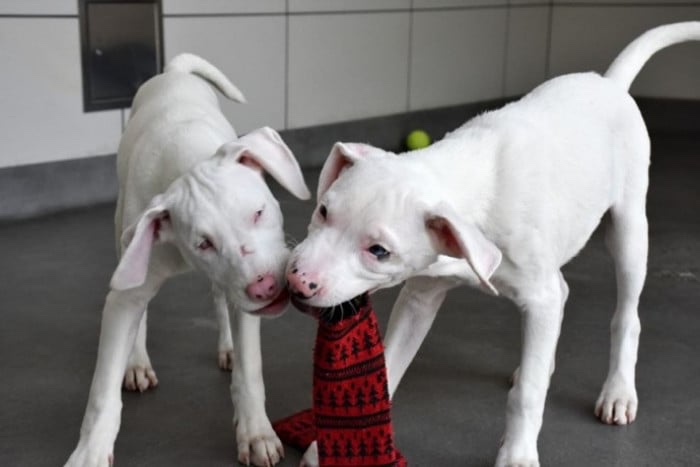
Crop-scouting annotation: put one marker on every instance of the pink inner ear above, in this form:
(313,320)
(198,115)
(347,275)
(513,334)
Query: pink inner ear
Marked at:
(330,174)
(446,236)
(156,228)
(250,162)
(359,149)
(337,168)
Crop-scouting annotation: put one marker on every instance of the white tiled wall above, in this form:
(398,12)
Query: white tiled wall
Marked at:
(597,35)
(457,56)
(432,4)
(250,50)
(315,6)
(39,7)
(526,57)
(310,62)
(217,7)
(631,2)
(41,100)
(360,71)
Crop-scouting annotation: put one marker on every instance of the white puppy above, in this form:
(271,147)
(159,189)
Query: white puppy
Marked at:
(192,196)
(516,193)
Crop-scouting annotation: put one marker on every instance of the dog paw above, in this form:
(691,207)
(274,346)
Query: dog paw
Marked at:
(258,443)
(226,360)
(517,462)
(520,463)
(140,378)
(93,454)
(617,403)
(310,458)
(517,455)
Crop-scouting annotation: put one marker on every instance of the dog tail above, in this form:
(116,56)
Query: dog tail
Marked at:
(190,63)
(627,65)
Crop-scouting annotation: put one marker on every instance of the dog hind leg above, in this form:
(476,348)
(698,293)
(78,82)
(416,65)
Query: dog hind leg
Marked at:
(627,241)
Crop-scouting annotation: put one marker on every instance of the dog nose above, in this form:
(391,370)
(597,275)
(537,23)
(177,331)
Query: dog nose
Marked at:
(301,284)
(264,287)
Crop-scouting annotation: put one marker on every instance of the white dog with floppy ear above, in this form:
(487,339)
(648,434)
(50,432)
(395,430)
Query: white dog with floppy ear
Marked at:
(503,203)
(193,196)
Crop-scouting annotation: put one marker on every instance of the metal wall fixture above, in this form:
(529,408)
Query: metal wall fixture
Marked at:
(121,47)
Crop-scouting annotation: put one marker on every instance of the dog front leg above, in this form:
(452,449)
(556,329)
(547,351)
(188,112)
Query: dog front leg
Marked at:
(120,320)
(411,318)
(140,375)
(257,441)
(541,324)
(225,345)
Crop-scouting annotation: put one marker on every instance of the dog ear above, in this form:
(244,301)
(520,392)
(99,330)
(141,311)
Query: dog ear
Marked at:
(464,240)
(264,150)
(342,156)
(137,242)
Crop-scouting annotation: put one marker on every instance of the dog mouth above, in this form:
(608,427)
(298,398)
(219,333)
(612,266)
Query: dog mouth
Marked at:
(274,308)
(332,314)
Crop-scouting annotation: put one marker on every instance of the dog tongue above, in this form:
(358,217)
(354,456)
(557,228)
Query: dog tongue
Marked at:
(275,307)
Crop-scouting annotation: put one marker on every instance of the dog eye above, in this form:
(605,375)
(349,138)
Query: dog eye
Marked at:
(379,252)
(205,245)
(323,211)
(258,215)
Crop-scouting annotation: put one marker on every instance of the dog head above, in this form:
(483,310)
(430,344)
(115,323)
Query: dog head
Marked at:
(225,222)
(380,219)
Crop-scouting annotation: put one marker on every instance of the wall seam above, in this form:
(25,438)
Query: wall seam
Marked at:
(21,16)
(286,65)
(345,12)
(410,58)
(624,4)
(504,71)
(548,45)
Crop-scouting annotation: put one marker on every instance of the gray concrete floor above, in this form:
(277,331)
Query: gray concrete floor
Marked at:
(449,409)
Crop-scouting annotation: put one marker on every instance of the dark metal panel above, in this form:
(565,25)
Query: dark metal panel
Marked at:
(122,46)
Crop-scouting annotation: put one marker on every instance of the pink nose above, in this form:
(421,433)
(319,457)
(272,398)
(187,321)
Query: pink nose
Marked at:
(264,287)
(302,284)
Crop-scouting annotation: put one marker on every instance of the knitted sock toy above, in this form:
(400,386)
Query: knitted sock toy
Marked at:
(351,418)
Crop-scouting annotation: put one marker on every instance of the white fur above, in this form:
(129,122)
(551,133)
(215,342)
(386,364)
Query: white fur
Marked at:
(517,193)
(185,177)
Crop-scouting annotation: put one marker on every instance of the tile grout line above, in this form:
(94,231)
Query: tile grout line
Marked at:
(412,8)
(548,45)
(30,16)
(286,65)
(339,12)
(572,3)
(504,71)
(410,58)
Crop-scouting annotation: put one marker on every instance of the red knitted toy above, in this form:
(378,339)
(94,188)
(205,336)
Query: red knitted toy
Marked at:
(351,418)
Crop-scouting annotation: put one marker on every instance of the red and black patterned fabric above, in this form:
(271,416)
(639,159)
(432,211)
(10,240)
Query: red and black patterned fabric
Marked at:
(351,417)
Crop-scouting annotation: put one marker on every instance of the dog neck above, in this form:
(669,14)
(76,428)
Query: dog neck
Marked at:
(463,163)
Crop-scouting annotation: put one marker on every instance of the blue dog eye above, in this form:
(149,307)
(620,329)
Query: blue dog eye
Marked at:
(379,251)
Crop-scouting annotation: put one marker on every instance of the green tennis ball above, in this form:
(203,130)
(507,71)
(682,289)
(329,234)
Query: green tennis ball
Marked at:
(417,139)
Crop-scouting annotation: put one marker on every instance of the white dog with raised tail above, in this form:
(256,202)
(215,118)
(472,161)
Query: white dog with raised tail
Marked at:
(192,196)
(501,203)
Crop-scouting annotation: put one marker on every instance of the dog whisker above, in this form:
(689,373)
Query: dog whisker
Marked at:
(290,241)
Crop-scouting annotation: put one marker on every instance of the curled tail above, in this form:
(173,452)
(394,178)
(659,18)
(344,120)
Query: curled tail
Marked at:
(627,65)
(190,63)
